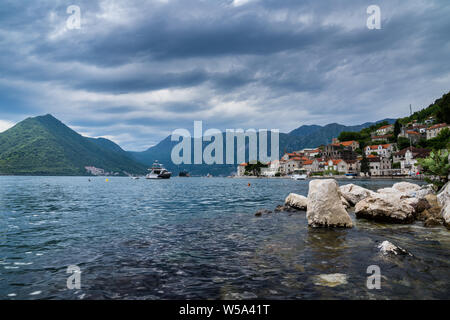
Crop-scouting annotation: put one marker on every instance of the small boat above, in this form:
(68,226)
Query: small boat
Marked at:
(158,172)
(135,178)
(299,176)
(184,173)
(350,175)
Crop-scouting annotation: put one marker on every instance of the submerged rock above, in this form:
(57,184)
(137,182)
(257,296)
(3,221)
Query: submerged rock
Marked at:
(259,213)
(296,201)
(281,208)
(325,208)
(353,193)
(385,208)
(330,280)
(387,247)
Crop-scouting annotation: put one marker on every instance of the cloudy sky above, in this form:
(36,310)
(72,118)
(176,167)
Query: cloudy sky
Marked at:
(136,70)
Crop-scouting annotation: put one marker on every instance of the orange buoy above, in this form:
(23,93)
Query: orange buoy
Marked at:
(249,184)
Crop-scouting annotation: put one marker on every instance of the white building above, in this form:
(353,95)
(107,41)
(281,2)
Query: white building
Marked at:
(379,166)
(382,150)
(433,131)
(385,130)
(272,169)
(241,169)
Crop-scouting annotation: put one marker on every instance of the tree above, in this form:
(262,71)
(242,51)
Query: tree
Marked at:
(348,136)
(397,128)
(254,168)
(443,114)
(436,167)
(365,168)
(403,143)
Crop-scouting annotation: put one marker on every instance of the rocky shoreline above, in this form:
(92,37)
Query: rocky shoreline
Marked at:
(328,205)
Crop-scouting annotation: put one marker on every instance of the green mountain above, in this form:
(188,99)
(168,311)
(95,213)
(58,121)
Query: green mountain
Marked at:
(440,109)
(45,146)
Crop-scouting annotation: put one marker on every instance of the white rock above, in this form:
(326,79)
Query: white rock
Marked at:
(386,208)
(424,191)
(406,187)
(394,192)
(444,195)
(330,280)
(325,208)
(446,215)
(387,247)
(296,201)
(353,193)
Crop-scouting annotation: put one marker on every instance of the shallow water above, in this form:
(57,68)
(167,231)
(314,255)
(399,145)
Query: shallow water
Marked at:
(198,238)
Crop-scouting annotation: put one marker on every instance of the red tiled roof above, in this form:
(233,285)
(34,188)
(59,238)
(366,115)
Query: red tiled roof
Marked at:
(308,162)
(412,132)
(335,161)
(348,143)
(386,126)
(384,146)
(436,126)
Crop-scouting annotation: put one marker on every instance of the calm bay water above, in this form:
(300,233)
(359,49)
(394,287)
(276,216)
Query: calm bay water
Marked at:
(198,238)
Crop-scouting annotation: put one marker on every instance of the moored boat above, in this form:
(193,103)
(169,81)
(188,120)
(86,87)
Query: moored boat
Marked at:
(158,172)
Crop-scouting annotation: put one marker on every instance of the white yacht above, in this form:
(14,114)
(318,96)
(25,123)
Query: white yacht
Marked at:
(299,175)
(158,172)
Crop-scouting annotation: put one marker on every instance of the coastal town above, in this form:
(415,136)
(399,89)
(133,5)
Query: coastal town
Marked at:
(380,158)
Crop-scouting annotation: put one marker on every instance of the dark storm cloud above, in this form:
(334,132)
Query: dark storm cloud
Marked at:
(139,69)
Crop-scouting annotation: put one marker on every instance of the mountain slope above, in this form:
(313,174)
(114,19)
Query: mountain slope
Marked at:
(44,145)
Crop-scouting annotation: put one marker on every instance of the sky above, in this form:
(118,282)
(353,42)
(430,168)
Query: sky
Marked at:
(137,70)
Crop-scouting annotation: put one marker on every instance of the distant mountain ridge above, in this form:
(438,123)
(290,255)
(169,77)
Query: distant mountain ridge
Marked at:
(45,146)
(307,136)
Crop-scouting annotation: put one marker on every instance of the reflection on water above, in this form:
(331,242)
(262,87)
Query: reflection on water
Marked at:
(199,239)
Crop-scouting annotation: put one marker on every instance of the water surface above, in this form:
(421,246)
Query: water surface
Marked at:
(198,238)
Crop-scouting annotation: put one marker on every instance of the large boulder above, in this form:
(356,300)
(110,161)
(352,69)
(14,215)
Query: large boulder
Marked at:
(353,193)
(345,203)
(446,215)
(419,204)
(444,195)
(443,198)
(406,187)
(432,215)
(385,207)
(392,191)
(325,208)
(424,191)
(296,201)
